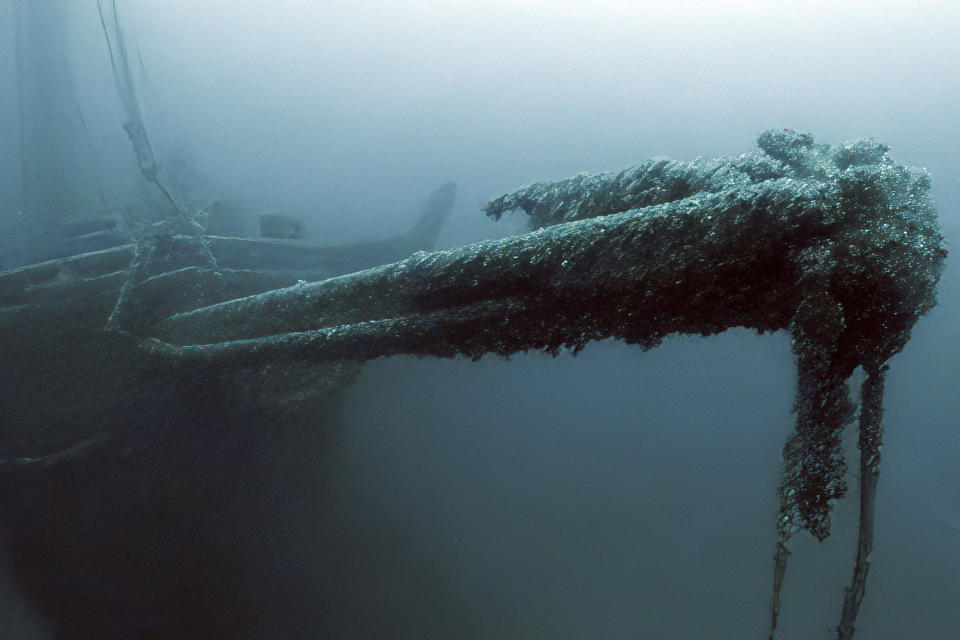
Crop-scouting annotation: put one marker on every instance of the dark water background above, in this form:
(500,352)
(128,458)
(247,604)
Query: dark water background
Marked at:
(617,494)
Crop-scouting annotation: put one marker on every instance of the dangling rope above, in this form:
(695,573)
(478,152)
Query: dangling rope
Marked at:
(871,412)
(780,569)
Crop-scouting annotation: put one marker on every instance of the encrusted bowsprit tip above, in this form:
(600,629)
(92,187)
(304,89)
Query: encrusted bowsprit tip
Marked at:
(860,264)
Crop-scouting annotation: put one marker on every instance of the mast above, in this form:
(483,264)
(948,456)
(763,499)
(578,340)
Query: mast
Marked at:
(56,168)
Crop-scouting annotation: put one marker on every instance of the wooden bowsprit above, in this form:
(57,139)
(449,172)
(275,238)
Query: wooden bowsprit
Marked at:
(838,245)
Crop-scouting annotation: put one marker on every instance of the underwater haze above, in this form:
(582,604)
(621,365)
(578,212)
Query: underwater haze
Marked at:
(614,494)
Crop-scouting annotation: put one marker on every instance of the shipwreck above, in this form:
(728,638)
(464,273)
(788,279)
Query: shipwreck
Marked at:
(152,374)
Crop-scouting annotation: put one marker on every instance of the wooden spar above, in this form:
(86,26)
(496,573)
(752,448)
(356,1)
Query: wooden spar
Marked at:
(838,245)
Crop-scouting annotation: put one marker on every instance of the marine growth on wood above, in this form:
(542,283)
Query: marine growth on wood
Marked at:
(839,245)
